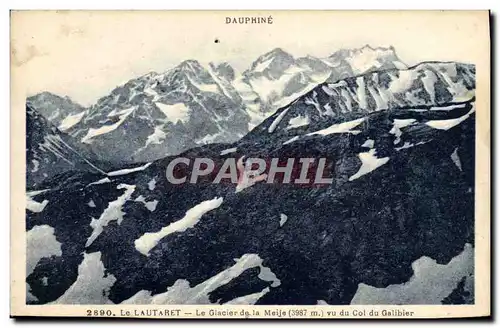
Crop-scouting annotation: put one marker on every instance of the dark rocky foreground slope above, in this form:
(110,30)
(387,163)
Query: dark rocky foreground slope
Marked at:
(403,188)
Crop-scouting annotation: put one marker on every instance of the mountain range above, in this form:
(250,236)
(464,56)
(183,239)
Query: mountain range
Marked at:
(193,104)
(396,223)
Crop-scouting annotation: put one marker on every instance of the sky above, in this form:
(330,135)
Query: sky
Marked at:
(85,54)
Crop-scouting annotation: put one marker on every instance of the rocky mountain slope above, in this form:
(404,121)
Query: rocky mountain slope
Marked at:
(50,152)
(62,112)
(159,114)
(420,87)
(402,192)
(276,78)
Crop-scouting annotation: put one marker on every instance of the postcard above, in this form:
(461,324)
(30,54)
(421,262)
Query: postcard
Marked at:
(250,164)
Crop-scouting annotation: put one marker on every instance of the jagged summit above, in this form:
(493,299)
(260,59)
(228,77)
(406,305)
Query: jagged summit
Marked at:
(60,111)
(367,58)
(274,61)
(189,65)
(277,52)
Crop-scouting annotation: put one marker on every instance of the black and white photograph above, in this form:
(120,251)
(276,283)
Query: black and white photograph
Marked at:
(251,160)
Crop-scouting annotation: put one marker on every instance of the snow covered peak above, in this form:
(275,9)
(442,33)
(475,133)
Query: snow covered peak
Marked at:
(368,58)
(422,86)
(342,53)
(55,108)
(277,52)
(158,114)
(189,65)
(276,60)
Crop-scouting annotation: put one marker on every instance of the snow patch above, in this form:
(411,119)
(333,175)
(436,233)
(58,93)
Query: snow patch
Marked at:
(429,81)
(291,140)
(361,93)
(364,59)
(71,121)
(256,116)
(248,299)
(340,128)
(456,159)
(152,184)
(36,165)
(449,107)
(92,284)
(104,180)
(205,87)
(403,82)
(112,213)
(263,65)
(127,171)
(369,143)
(380,99)
(92,133)
(247,177)
(283,219)
(229,151)
(209,138)
(298,121)
(410,145)
(289,100)
(266,88)
(157,137)
(40,242)
(398,124)
(36,192)
(369,162)
(431,282)
(151,92)
(151,205)
(277,121)
(448,124)
(149,240)
(176,112)
(34,206)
